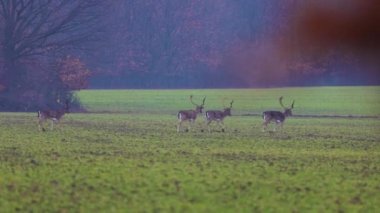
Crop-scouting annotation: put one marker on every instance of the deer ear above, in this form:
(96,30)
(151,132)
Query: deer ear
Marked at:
(293,104)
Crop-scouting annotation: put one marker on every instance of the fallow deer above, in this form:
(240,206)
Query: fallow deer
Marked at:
(218,116)
(190,115)
(277,116)
(53,115)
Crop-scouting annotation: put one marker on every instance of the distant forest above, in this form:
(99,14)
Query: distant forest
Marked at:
(51,48)
(223,43)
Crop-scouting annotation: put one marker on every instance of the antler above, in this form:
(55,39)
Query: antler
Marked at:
(231,103)
(291,107)
(280,99)
(204,99)
(191,100)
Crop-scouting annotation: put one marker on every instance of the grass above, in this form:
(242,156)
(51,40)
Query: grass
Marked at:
(136,162)
(308,100)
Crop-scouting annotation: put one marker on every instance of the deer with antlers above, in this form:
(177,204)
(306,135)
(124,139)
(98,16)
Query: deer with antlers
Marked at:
(53,115)
(218,116)
(190,115)
(277,116)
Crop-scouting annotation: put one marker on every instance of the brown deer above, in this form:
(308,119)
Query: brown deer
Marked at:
(277,116)
(218,116)
(53,115)
(190,115)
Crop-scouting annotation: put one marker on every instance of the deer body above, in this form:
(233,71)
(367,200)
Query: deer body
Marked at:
(218,116)
(277,116)
(189,115)
(53,115)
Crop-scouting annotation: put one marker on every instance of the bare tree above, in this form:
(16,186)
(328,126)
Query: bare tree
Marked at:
(35,29)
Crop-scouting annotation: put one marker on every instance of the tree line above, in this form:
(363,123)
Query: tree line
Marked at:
(50,48)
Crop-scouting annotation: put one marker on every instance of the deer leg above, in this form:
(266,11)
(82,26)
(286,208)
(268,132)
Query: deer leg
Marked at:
(281,126)
(191,123)
(218,123)
(221,123)
(52,125)
(200,124)
(53,121)
(40,127)
(276,125)
(179,126)
(265,125)
(208,126)
(58,124)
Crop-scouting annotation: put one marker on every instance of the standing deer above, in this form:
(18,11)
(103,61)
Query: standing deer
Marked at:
(218,116)
(53,115)
(277,116)
(190,115)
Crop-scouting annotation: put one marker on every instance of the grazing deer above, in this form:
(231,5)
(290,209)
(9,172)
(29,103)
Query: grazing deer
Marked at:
(53,115)
(277,116)
(218,116)
(190,115)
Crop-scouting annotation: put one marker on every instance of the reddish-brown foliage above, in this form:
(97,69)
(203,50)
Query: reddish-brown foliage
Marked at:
(73,73)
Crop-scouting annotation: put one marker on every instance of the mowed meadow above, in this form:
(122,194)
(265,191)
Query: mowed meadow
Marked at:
(124,155)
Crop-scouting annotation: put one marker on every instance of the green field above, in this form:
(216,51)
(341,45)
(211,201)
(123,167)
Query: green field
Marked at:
(126,156)
(309,100)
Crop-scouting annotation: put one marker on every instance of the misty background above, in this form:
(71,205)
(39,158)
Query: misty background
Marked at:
(51,48)
(241,43)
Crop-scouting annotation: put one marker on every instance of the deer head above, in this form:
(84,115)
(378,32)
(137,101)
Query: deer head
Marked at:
(287,110)
(227,110)
(198,108)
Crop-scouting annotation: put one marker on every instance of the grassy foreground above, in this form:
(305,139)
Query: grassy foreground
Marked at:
(136,162)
